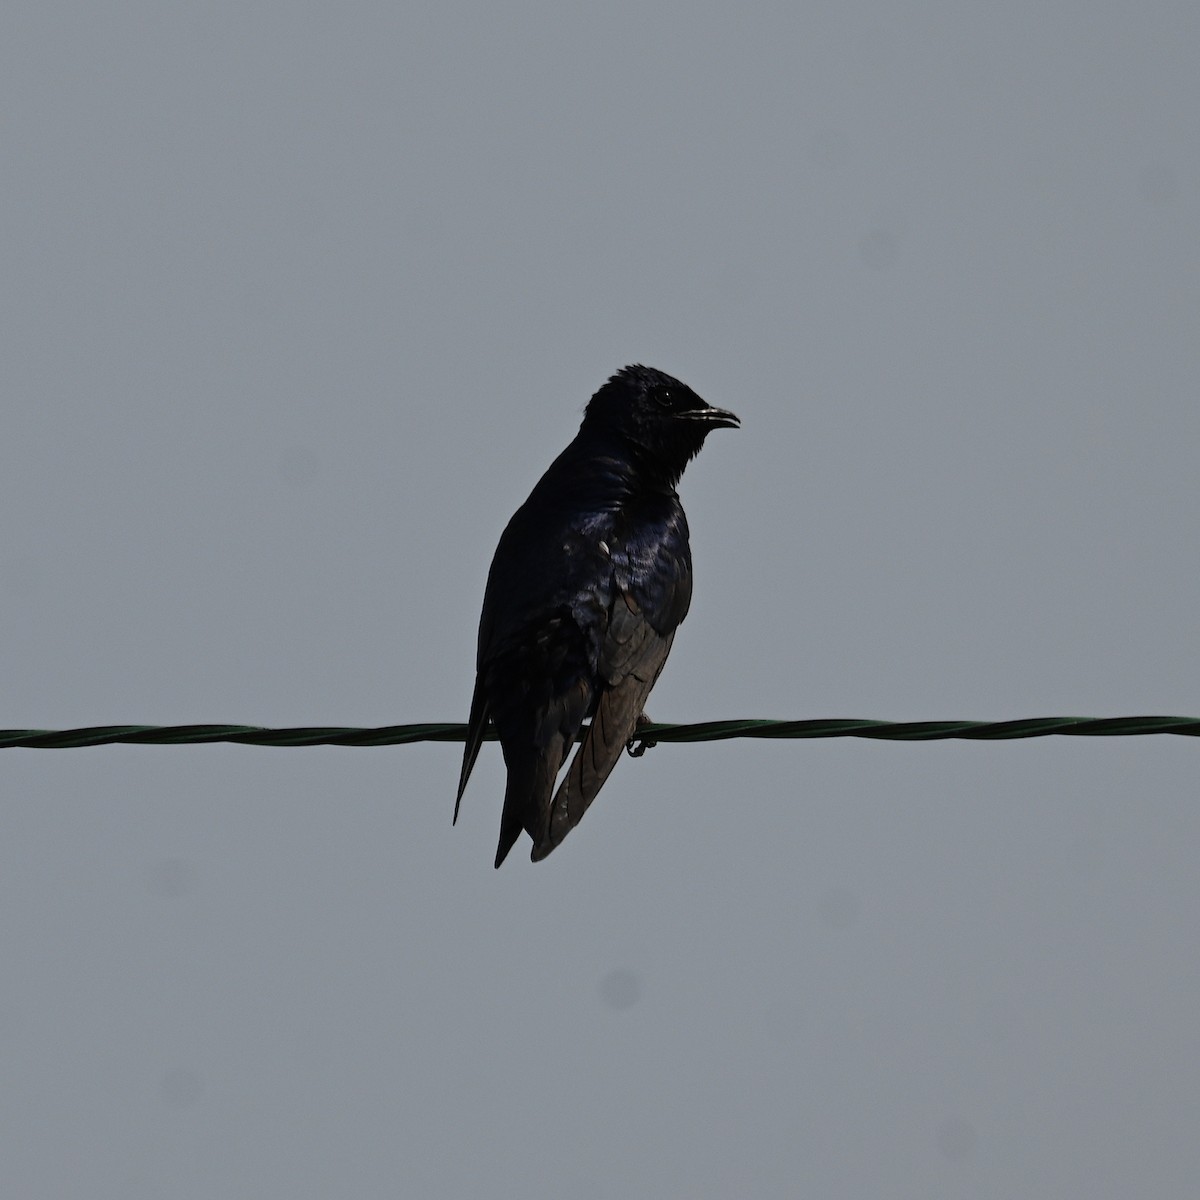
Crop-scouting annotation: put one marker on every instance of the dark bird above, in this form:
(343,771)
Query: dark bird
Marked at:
(591,578)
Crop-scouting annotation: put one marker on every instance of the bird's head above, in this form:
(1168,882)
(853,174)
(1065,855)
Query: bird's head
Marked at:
(662,420)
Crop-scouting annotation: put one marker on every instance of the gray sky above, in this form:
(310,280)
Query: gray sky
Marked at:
(299,302)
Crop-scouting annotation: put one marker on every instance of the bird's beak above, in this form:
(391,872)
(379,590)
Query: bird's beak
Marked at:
(718,418)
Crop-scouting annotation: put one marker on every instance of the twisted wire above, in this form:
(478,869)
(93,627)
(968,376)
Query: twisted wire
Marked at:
(704,731)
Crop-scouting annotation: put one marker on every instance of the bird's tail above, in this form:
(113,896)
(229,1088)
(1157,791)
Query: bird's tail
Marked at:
(476,727)
(531,779)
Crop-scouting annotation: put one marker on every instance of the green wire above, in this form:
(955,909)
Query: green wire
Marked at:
(706,731)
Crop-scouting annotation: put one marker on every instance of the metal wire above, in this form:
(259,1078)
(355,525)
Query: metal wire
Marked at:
(705,731)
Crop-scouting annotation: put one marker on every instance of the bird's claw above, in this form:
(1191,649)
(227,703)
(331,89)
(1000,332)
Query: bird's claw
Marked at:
(637,746)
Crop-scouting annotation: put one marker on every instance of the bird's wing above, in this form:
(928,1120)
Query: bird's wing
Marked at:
(631,659)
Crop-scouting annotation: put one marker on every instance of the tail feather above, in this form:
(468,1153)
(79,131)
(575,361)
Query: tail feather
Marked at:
(527,794)
(477,725)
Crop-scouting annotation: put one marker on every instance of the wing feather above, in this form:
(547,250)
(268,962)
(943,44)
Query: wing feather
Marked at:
(631,661)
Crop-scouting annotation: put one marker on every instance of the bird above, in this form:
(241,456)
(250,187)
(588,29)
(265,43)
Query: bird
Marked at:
(589,582)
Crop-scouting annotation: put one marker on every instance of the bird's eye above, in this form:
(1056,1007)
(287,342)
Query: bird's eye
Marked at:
(663,398)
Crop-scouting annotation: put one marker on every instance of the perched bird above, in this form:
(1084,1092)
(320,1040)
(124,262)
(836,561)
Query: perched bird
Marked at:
(590,580)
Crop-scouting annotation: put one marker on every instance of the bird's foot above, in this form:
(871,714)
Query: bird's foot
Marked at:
(637,746)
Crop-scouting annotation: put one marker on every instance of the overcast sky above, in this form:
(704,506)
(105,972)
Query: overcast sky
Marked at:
(299,301)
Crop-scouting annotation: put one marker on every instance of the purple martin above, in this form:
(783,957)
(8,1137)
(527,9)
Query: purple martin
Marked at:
(591,578)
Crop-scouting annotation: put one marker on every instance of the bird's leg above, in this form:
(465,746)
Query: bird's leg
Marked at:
(637,746)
